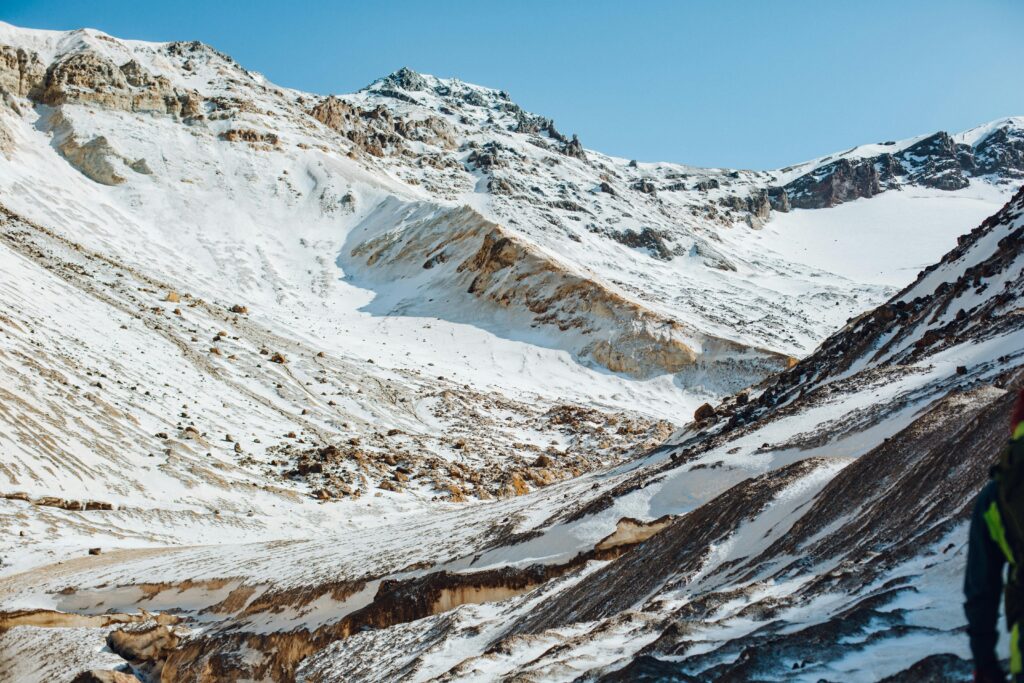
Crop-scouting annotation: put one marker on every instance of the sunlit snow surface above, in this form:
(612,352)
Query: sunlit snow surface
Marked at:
(885,240)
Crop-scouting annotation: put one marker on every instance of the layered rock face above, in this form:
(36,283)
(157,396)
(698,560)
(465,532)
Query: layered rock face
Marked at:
(461,251)
(89,78)
(21,71)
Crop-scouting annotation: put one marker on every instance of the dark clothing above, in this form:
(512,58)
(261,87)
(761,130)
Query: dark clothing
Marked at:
(983,584)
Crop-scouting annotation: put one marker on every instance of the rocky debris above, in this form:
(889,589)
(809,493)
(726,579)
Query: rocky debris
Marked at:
(104,676)
(253,137)
(240,309)
(57,502)
(145,646)
(707,184)
(278,357)
(378,131)
(648,238)
(645,186)
(172,297)
(588,439)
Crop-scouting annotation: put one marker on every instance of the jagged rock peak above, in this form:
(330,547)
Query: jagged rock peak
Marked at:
(405,82)
(406,79)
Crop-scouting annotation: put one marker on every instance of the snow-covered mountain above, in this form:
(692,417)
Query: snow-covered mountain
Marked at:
(377,386)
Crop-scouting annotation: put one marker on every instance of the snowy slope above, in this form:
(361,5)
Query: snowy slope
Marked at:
(780,546)
(287,359)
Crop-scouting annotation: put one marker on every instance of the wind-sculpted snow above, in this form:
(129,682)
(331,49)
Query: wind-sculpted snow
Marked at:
(397,385)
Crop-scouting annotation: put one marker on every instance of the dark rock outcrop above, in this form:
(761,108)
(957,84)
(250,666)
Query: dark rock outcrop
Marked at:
(646,186)
(574,149)
(778,199)
(937,161)
(834,183)
(648,239)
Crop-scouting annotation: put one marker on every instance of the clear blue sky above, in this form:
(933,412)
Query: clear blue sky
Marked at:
(753,84)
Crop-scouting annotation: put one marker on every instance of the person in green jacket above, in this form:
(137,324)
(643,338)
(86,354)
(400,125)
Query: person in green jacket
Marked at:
(996,541)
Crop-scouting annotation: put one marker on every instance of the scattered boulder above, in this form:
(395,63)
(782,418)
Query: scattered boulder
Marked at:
(705,412)
(145,647)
